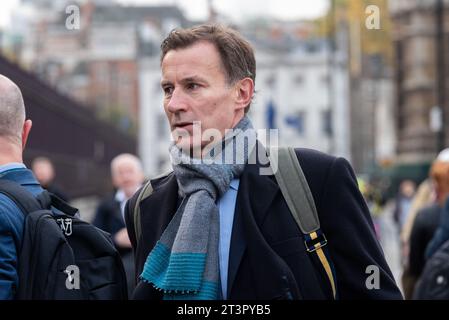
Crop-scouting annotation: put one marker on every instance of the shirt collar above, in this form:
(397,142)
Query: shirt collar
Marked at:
(120,196)
(11,166)
(235,184)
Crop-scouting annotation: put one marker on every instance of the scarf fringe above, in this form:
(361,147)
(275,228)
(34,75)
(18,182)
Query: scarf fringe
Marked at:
(169,291)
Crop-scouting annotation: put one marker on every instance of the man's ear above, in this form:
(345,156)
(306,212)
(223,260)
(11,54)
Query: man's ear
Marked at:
(25,132)
(245,91)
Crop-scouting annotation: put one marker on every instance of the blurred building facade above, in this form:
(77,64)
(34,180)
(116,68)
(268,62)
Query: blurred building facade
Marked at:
(96,64)
(80,145)
(421,43)
(369,51)
(304,93)
(154,132)
(326,84)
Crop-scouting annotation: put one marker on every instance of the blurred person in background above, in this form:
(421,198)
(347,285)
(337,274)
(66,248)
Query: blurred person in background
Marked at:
(424,197)
(374,200)
(44,171)
(426,222)
(378,203)
(127,178)
(442,233)
(403,202)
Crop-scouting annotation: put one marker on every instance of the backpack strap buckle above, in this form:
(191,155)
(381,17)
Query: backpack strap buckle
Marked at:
(315,240)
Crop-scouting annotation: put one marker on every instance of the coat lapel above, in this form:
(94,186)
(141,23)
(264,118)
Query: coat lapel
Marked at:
(252,203)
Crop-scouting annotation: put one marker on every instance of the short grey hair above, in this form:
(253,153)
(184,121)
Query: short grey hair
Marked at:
(126,158)
(12,109)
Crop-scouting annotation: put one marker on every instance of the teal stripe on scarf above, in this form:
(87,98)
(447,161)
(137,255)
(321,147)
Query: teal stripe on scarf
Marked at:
(177,272)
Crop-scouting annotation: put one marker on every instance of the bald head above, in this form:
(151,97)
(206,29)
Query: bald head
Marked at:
(12,110)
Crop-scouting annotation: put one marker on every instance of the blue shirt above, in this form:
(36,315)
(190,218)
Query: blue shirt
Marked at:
(11,227)
(226,206)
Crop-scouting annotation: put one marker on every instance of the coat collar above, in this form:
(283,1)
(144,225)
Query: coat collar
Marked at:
(22,176)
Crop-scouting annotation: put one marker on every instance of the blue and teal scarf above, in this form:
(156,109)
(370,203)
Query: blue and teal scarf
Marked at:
(184,263)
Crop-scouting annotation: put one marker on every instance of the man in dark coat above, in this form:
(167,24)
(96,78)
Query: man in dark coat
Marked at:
(224,231)
(127,177)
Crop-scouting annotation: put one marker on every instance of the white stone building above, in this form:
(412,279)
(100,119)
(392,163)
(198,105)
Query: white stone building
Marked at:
(308,90)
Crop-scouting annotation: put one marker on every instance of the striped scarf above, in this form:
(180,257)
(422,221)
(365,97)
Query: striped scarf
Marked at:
(184,263)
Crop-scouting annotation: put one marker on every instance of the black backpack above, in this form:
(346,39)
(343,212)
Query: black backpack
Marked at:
(63,257)
(434,281)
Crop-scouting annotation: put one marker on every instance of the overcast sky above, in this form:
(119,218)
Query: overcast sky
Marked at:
(235,9)
(239,9)
(5,9)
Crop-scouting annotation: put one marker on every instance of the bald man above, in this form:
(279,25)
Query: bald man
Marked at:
(127,177)
(14,131)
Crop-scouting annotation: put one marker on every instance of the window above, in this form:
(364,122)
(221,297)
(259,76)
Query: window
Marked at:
(297,121)
(270,81)
(325,79)
(327,122)
(298,79)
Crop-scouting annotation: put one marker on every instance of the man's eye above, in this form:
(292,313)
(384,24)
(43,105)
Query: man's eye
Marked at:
(168,90)
(192,86)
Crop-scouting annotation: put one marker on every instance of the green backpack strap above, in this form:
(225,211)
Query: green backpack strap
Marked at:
(145,192)
(295,189)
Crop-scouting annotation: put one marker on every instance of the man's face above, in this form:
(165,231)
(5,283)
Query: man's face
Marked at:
(196,89)
(127,176)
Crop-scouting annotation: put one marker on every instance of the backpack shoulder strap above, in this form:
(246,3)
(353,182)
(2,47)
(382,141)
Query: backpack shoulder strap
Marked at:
(295,189)
(20,196)
(144,193)
(296,192)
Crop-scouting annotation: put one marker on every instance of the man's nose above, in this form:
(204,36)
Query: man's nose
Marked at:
(177,102)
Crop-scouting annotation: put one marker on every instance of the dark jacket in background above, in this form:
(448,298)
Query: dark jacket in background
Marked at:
(109,218)
(441,233)
(424,227)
